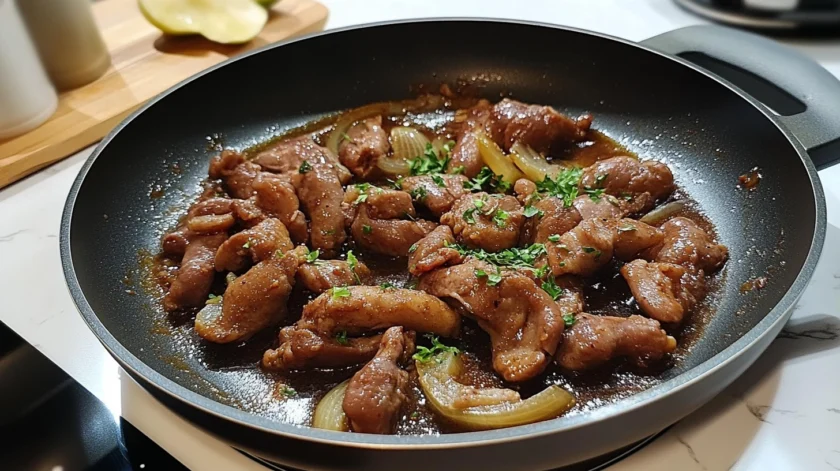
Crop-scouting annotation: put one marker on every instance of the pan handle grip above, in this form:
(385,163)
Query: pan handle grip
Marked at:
(814,120)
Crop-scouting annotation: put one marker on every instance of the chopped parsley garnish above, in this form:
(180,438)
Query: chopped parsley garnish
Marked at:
(286,391)
(599,180)
(341,338)
(501,217)
(469,215)
(424,354)
(363,192)
(626,196)
(594,194)
(569,320)
(592,250)
(246,245)
(345,137)
(531,211)
(493,279)
(213,299)
(279,253)
(487,181)
(353,262)
(361,199)
(397,184)
(367,229)
(419,193)
(626,228)
(312,256)
(412,248)
(514,257)
(429,162)
(387,285)
(305,166)
(554,237)
(340,292)
(438,181)
(550,287)
(459,170)
(564,185)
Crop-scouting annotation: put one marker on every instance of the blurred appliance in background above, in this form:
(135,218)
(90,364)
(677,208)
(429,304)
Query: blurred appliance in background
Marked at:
(811,16)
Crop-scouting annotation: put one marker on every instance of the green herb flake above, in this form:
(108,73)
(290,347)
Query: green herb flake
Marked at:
(312,256)
(515,257)
(554,237)
(493,279)
(501,217)
(339,292)
(366,229)
(564,185)
(345,137)
(213,299)
(531,211)
(487,181)
(594,194)
(592,250)
(246,245)
(429,162)
(341,338)
(569,320)
(459,170)
(397,184)
(387,285)
(424,354)
(305,166)
(438,181)
(279,253)
(419,193)
(550,287)
(469,215)
(353,262)
(412,248)
(286,391)
(361,199)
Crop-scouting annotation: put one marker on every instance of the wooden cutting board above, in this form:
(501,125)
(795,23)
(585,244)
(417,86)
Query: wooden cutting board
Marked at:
(144,63)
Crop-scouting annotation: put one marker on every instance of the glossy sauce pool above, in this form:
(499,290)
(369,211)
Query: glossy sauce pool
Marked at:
(291,397)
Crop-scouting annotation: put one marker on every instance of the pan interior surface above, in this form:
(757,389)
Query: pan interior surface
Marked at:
(149,171)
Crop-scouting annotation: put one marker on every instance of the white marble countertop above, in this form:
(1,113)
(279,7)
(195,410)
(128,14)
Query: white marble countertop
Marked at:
(783,414)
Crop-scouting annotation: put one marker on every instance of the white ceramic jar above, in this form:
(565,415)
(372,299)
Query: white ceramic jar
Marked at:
(67,39)
(27,98)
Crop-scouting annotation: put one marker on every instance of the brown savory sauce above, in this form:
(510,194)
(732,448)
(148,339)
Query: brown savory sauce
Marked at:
(292,396)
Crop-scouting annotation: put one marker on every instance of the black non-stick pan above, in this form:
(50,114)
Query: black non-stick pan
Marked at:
(653,97)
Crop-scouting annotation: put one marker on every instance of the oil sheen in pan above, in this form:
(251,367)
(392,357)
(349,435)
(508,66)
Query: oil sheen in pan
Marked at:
(291,397)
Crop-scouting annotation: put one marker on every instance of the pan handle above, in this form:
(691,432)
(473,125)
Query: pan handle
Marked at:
(751,61)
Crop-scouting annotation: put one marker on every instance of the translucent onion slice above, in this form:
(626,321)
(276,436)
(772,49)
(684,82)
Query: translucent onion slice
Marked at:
(358,114)
(498,162)
(532,164)
(437,379)
(407,143)
(663,212)
(329,414)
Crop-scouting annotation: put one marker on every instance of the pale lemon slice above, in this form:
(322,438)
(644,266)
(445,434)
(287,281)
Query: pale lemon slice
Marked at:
(221,21)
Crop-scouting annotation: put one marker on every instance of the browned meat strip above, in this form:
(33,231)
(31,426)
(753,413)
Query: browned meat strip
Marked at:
(630,179)
(364,144)
(595,340)
(589,246)
(252,301)
(325,274)
(392,237)
(483,221)
(685,243)
(382,203)
(196,223)
(359,309)
(537,126)
(288,155)
(664,291)
(301,349)
(195,275)
(248,212)
(275,195)
(321,194)
(553,219)
(604,207)
(436,192)
(524,189)
(524,322)
(571,300)
(253,245)
(237,174)
(376,393)
(465,153)
(433,251)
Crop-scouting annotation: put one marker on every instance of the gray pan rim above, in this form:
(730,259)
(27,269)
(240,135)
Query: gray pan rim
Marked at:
(468,439)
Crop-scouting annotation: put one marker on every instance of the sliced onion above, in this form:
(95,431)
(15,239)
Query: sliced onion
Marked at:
(407,144)
(532,164)
(329,414)
(358,114)
(442,391)
(498,162)
(663,212)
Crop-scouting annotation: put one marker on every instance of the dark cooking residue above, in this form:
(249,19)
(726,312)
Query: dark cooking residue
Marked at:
(753,284)
(211,236)
(750,180)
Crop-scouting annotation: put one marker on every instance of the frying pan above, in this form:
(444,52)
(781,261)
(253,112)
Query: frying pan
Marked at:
(651,96)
